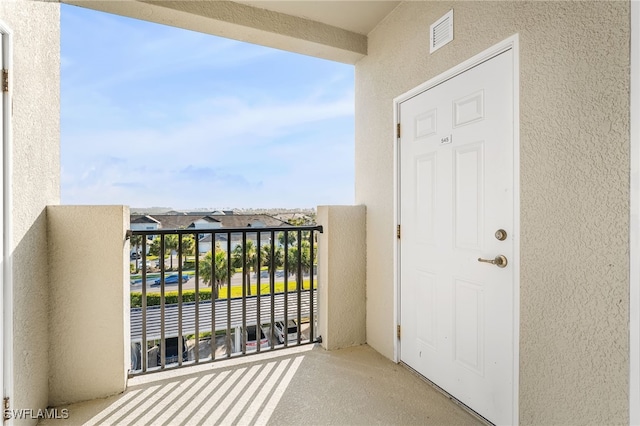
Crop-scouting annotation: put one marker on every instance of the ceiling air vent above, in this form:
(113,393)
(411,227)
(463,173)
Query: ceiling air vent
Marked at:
(441,32)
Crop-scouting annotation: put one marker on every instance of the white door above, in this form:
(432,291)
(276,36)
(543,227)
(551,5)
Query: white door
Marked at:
(456,194)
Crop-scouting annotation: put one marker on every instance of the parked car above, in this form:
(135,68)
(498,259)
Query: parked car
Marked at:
(263,274)
(171,279)
(171,349)
(279,273)
(251,336)
(135,256)
(291,331)
(149,265)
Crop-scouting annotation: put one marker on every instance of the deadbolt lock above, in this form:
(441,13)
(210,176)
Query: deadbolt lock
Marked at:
(500,261)
(501,235)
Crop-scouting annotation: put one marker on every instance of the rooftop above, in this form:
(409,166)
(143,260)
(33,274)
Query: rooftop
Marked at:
(172,221)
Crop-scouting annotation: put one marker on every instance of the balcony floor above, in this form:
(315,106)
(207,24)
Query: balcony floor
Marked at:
(304,385)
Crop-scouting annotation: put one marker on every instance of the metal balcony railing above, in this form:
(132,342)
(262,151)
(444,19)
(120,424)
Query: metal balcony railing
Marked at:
(199,295)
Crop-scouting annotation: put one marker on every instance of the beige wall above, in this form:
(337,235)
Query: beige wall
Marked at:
(36,179)
(574,187)
(341,276)
(88,302)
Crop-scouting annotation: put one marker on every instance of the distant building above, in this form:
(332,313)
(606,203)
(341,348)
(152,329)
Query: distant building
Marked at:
(213,220)
(144,223)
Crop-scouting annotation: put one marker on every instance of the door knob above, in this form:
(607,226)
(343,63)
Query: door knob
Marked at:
(500,261)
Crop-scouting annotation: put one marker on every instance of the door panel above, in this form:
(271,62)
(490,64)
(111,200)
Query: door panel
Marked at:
(456,191)
(425,197)
(468,325)
(468,178)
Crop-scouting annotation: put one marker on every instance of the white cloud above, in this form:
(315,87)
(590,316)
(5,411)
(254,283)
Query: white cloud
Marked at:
(238,126)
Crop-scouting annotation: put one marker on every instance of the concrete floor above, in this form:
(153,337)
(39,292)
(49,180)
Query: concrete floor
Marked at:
(303,385)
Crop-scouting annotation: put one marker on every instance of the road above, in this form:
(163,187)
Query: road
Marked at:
(236,280)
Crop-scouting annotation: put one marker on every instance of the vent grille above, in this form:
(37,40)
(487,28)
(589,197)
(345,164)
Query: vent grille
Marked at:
(441,32)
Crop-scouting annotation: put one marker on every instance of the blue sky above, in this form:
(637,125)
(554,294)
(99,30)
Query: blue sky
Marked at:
(158,116)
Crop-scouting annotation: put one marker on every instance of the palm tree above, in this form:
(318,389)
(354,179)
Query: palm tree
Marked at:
(207,268)
(154,247)
(291,238)
(222,272)
(305,258)
(265,257)
(306,262)
(250,258)
(188,246)
(170,244)
(136,242)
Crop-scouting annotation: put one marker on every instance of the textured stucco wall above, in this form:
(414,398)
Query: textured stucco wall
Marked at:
(574,81)
(341,274)
(89,302)
(35,127)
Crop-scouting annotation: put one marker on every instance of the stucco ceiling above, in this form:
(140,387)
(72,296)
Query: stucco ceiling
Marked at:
(329,29)
(356,16)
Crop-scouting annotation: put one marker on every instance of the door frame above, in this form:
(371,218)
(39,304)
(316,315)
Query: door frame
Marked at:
(6,251)
(511,43)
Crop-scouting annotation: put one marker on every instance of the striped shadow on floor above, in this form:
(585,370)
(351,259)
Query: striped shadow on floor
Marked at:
(243,392)
(245,395)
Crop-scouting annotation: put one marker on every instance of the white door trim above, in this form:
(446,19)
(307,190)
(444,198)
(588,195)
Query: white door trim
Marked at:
(511,43)
(634,225)
(6,293)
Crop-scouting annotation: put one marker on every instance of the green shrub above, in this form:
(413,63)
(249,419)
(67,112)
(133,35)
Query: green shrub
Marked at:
(170,297)
(153,299)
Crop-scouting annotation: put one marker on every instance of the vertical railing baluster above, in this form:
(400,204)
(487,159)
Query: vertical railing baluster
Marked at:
(214,291)
(272,284)
(228,344)
(311,288)
(286,288)
(285,294)
(163,346)
(180,348)
(243,339)
(196,348)
(143,305)
(299,284)
(258,273)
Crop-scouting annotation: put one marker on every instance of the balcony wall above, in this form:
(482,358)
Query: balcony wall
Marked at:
(88,302)
(32,170)
(342,276)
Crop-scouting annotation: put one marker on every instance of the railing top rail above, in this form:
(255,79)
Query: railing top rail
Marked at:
(249,229)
